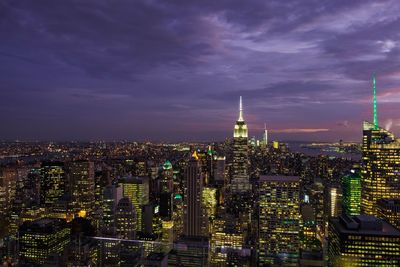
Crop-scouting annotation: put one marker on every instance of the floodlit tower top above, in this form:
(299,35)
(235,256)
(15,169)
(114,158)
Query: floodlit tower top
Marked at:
(376,124)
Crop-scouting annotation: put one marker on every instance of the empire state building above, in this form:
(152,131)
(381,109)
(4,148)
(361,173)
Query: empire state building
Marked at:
(240,178)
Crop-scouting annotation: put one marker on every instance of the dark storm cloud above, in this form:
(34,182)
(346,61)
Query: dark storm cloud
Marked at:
(126,69)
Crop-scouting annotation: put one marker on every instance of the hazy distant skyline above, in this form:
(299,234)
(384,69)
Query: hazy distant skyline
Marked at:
(174,70)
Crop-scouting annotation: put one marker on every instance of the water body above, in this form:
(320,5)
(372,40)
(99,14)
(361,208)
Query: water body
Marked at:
(327,149)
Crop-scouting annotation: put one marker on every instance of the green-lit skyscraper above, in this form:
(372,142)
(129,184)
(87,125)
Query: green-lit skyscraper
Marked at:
(351,187)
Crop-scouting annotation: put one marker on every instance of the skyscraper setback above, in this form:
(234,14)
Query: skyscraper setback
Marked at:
(240,177)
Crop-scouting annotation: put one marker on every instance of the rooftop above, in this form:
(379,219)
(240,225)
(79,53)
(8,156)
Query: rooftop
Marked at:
(364,225)
(279,178)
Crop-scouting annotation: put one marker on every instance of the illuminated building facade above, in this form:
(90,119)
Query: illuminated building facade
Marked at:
(275,144)
(137,190)
(8,179)
(40,238)
(279,220)
(363,241)
(178,216)
(81,179)
(125,219)
(315,195)
(209,198)
(333,200)
(227,242)
(167,177)
(264,141)
(219,172)
(52,183)
(167,236)
(389,209)
(308,234)
(381,167)
(351,186)
(167,189)
(240,178)
(193,222)
(111,196)
(380,163)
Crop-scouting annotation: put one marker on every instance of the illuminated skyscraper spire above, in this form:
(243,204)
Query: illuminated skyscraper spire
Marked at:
(376,125)
(240,110)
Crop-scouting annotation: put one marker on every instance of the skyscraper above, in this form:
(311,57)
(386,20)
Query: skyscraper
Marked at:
(40,238)
(167,182)
(279,220)
(125,219)
(265,136)
(137,190)
(52,182)
(8,177)
(193,199)
(240,178)
(167,189)
(351,188)
(363,241)
(111,196)
(380,163)
(81,179)
(389,209)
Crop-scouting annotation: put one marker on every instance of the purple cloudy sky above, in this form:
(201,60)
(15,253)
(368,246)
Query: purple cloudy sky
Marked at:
(174,70)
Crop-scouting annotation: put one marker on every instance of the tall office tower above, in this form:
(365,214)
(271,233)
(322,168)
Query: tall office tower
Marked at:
(333,200)
(265,136)
(40,239)
(31,189)
(178,216)
(219,172)
(112,194)
(209,198)
(125,219)
(101,180)
(81,184)
(228,242)
(52,183)
(389,209)
(8,177)
(279,220)
(363,241)
(193,222)
(240,178)
(137,189)
(210,166)
(380,164)
(166,203)
(315,194)
(351,187)
(167,177)
(167,189)
(308,236)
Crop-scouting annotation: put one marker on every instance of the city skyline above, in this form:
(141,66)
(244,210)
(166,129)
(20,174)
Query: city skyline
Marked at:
(174,72)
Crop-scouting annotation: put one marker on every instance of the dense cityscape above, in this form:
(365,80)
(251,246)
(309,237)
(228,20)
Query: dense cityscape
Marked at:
(200,133)
(241,202)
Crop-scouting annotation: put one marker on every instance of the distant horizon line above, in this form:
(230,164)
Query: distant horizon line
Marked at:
(163,142)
